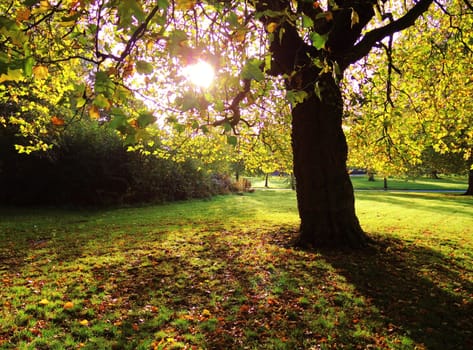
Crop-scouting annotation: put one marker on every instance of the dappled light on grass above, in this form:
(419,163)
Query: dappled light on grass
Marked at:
(223,274)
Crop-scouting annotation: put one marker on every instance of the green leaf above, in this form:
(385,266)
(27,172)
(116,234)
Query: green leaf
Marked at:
(232,140)
(188,101)
(118,122)
(13,75)
(10,29)
(295,97)
(145,119)
(269,13)
(175,40)
(144,67)
(232,19)
(219,106)
(318,40)
(336,71)
(101,101)
(307,22)
(80,102)
(227,127)
(29,62)
(163,4)
(318,90)
(179,127)
(251,70)
(30,3)
(136,10)
(103,84)
(267,62)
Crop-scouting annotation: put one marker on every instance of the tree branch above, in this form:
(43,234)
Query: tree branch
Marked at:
(139,32)
(468,4)
(235,106)
(54,9)
(361,49)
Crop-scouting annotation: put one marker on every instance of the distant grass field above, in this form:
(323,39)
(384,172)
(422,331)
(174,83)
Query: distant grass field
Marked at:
(222,274)
(360,182)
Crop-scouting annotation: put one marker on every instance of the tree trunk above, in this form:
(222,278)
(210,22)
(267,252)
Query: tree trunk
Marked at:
(325,195)
(469,191)
(370,176)
(293,182)
(266,181)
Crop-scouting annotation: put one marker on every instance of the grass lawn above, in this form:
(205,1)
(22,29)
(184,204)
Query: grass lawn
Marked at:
(221,274)
(360,182)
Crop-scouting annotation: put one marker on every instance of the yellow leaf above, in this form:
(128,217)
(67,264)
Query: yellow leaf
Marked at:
(69,305)
(128,69)
(44,6)
(94,112)
(355,19)
(329,16)
(23,14)
(80,102)
(12,74)
(239,35)
(185,4)
(271,27)
(84,322)
(206,313)
(40,72)
(44,302)
(57,121)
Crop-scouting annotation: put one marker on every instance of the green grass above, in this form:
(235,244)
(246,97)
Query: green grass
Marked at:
(360,182)
(221,274)
(447,183)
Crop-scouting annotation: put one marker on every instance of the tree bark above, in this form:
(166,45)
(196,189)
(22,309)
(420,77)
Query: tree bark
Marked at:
(469,191)
(325,195)
(324,191)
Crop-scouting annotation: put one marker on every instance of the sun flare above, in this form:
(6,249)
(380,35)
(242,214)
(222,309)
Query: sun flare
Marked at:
(200,74)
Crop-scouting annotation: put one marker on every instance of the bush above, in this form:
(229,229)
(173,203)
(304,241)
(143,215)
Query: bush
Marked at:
(91,166)
(241,185)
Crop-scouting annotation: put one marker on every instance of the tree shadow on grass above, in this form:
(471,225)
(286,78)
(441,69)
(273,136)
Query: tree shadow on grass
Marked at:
(235,294)
(423,293)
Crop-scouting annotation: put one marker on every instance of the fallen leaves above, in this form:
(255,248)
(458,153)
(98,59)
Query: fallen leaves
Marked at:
(206,313)
(224,288)
(68,305)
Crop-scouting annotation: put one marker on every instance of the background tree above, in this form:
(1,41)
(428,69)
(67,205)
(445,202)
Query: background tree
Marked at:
(417,105)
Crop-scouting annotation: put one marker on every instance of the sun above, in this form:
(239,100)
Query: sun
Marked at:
(200,73)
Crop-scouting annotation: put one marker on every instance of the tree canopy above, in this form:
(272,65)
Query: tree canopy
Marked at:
(417,103)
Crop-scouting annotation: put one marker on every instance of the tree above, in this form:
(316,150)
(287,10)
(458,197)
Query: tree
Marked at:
(308,43)
(324,191)
(419,114)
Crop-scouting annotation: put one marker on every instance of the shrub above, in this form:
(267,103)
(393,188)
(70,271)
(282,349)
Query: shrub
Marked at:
(241,185)
(91,166)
